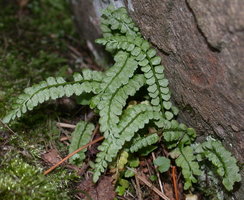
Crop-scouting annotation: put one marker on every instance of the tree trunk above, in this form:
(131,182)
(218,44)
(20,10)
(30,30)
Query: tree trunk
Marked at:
(202,46)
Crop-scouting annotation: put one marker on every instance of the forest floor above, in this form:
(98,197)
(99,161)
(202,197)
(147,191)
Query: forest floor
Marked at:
(38,40)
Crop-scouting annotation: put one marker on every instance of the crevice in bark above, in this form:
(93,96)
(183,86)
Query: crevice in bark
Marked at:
(166,53)
(210,46)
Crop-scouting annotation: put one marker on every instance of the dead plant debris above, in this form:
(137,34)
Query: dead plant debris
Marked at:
(103,190)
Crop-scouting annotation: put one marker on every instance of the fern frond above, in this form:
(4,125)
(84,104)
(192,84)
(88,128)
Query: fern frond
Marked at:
(120,73)
(189,166)
(132,120)
(53,88)
(81,136)
(176,133)
(117,21)
(117,75)
(150,65)
(123,159)
(131,44)
(111,104)
(144,142)
(225,163)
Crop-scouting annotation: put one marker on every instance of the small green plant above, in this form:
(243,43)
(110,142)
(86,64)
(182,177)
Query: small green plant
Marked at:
(162,163)
(80,136)
(122,186)
(136,69)
(19,180)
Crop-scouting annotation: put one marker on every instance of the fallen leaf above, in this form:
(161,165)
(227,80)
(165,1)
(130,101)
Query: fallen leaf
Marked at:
(52,157)
(103,190)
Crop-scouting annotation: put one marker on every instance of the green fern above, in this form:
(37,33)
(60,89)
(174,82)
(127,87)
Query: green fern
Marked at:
(81,136)
(150,65)
(176,133)
(54,88)
(117,21)
(142,142)
(111,104)
(222,159)
(116,76)
(135,67)
(190,168)
(136,46)
(133,119)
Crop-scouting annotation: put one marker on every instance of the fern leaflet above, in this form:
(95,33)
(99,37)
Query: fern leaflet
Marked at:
(144,142)
(117,21)
(176,133)
(81,136)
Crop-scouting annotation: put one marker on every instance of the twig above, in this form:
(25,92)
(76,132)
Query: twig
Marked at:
(159,180)
(6,126)
(129,193)
(174,177)
(94,133)
(150,185)
(73,153)
(64,138)
(138,189)
(65,125)
(75,51)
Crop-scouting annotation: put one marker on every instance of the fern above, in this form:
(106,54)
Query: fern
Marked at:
(111,104)
(175,133)
(144,142)
(117,20)
(225,164)
(81,136)
(136,66)
(132,120)
(123,159)
(149,62)
(118,75)
(190,168)
(150,65)
(54,88)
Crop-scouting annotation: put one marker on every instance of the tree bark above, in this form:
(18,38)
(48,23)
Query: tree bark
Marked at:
(202,46)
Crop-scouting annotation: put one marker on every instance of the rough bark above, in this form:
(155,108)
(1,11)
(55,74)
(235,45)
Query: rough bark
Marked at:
(202,46)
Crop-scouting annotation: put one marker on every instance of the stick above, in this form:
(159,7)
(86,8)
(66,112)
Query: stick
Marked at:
(6,126)
(150,185)
(65,125)
(138,189)
(73,153)
(174,177)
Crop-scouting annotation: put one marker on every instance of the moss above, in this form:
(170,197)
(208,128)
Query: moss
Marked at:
(33,46)
(19,180)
